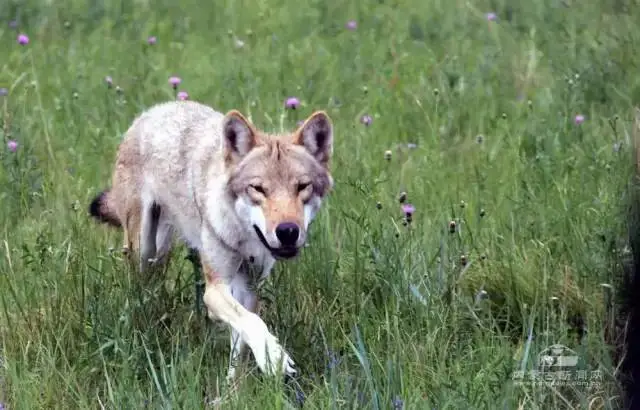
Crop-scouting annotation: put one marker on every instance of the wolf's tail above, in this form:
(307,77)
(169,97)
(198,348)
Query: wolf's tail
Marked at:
(103,210)
(629,288)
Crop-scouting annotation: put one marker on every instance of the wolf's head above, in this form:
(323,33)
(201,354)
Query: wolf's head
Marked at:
(278,181)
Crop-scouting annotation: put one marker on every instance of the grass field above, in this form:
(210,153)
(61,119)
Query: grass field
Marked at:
(507,125)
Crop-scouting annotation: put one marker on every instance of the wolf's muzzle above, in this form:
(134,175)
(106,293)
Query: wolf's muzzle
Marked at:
(284,252)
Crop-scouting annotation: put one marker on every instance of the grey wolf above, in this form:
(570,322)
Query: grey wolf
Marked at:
(241,197)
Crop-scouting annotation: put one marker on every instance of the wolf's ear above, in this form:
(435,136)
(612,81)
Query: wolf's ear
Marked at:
(239,136)
(316,135)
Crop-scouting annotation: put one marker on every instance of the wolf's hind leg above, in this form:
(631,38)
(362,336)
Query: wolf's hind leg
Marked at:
(131,227)
(198,281)
(164,239)
(148,232)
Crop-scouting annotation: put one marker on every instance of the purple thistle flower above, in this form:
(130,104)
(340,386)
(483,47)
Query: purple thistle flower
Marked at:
(13,24)
(351,25)
(292,103)
(183,95)
(12,145)
(152,40)
(175,81)
(491,16)
(398,403)
(23,39)
(334,360)
(3,92)
(408,209)
(579,119)
(366,120)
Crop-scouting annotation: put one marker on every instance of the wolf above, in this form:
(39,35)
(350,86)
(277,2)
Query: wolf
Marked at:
(242,198)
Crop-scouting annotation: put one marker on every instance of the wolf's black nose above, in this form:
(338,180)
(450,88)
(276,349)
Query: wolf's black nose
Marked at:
(288,233)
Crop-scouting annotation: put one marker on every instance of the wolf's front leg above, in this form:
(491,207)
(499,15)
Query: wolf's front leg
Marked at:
(221,305)
(247,298)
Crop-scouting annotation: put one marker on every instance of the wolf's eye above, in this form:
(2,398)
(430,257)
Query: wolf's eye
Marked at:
(258,188)
(302,187)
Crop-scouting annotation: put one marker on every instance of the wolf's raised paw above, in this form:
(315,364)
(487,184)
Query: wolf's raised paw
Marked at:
(272,358)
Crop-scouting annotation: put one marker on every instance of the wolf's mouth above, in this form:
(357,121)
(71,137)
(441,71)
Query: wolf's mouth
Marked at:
(278,253)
